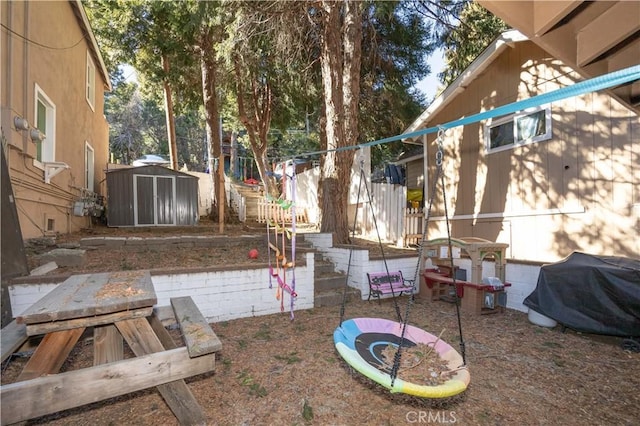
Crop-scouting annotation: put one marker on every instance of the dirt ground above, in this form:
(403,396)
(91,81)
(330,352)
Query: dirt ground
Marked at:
(274,371)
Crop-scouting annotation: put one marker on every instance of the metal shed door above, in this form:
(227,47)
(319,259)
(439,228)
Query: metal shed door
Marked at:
(155,200)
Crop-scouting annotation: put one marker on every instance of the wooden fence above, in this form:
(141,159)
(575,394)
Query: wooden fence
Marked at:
(275,211)
(413,226)
(395,222)
(235,200)
(382,217)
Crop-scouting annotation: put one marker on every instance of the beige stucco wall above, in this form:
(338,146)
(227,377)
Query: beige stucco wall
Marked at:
(48,48)
(579,191)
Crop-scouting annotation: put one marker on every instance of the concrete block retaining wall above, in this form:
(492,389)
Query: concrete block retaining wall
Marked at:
(226,295)
(168,243)
(223,294)
(219,294)
(522,276)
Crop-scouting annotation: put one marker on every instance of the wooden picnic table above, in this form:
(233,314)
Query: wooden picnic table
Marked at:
(118,305)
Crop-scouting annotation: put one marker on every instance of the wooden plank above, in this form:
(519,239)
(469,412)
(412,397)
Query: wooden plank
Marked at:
(142,340)
(93,294)
(48,327)
(196,331)
(162,333)
(50,353)
(549,13)
(139,336)
(108,345)
(33,398)
(11,338)
(622,20)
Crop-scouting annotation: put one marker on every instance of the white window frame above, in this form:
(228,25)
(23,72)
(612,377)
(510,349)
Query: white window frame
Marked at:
(89,166)
(513,118)
(90,91)
(48,151)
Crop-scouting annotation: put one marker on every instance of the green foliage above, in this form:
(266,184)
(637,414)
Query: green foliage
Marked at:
(263,334)
(146,34)
(477,29)
(276,43)
(255,389)
(307,411)
(396,44)
(290,358)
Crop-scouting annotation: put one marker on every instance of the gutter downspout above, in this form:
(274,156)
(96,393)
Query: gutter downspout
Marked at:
(25,79)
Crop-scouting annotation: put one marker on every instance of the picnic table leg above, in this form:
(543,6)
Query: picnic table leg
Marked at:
(142,340)
(51,353)
(107,345)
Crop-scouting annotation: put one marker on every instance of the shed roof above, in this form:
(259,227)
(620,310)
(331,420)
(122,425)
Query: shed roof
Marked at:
(150,170)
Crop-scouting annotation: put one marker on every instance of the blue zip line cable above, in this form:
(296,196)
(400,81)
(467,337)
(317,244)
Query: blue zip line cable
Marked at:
(592,85)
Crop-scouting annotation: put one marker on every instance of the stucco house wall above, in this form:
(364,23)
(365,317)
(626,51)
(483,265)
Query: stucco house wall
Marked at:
(53,78)
(576,191)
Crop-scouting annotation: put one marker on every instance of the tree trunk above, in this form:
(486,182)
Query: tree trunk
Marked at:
(340,65)
(208,68)
(171,124)
(257,120)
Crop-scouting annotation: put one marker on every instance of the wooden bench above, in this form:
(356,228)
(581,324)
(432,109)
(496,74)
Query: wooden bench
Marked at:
(474,302)
(119,307)
(383,283)
(197,333)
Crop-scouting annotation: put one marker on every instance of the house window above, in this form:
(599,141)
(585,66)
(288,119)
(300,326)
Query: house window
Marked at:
(89,170)
(91,82)
(518,129)
(45,122)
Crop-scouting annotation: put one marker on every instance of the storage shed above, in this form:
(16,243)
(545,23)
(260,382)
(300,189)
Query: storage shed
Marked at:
(151,196)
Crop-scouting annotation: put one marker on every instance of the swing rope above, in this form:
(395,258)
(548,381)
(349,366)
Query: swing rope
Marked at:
(293,240)
(438,178)
(384,259)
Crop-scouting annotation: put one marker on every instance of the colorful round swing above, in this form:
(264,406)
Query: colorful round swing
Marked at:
(360,342)
(364,343)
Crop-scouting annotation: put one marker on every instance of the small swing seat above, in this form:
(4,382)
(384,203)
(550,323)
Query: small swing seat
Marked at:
(360,342)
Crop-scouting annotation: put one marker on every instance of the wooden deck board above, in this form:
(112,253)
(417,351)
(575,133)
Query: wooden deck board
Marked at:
(142,340)
(11,338)
(196,331)
(98,320)
(36,397)
(93,294)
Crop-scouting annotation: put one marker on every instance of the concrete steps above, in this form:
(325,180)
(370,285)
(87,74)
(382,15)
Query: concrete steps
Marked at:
(330,285)
(252,194)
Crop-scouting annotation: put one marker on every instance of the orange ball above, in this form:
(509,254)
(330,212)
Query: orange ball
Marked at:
(253,254)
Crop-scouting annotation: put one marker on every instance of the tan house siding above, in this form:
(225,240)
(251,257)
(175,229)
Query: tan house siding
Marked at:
(577,191)
(45,52)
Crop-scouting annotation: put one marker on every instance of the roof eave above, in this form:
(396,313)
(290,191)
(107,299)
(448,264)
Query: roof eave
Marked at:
(407,160)
(77,5)
(506,39)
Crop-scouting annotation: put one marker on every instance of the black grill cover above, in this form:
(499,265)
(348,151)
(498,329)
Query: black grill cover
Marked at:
(592,294)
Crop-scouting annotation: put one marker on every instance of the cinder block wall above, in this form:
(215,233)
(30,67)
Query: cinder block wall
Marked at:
(220,295)
(226,295)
